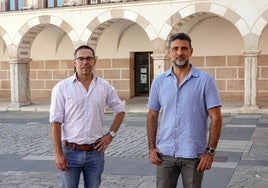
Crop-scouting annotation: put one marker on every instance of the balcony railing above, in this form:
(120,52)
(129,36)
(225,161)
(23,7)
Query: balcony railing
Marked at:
(14,5)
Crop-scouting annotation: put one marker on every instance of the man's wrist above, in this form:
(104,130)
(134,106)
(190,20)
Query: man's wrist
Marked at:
(211,151)
(112,133)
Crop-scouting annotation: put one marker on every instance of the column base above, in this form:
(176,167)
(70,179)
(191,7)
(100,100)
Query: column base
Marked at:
(250,109)
(19,104)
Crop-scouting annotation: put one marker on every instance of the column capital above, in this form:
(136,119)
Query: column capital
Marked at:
(251,53)
(12,50)
(19,60)
(159,56)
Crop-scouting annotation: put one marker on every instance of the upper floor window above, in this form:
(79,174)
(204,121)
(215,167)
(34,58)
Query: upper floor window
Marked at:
(54,3)
(14,4)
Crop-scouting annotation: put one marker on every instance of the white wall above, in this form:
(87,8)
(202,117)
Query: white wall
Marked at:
(114,45)
(51,44)
(216,36)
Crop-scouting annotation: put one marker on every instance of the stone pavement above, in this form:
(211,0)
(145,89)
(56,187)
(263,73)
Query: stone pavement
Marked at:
(26,154)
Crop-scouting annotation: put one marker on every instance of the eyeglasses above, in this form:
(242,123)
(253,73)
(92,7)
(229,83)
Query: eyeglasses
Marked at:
(82,59)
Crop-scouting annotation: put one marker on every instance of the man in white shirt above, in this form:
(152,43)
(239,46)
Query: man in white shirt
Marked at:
(76,117)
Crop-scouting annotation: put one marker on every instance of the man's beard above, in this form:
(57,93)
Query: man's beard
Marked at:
(181,64)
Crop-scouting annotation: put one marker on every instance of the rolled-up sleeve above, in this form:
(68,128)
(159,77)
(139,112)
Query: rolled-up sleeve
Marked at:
(114,102)
(153,102)
(56,112)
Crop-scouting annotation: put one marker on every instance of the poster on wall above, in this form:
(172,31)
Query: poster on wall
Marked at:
(143,79)
(143,70)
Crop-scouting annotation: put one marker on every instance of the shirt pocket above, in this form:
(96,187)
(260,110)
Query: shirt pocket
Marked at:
(74,99)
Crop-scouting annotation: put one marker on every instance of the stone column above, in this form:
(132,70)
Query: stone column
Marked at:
(3,5)
(20,84)
(250,93)
(160,62)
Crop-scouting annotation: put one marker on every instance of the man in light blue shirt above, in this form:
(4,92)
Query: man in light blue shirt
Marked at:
(187,97)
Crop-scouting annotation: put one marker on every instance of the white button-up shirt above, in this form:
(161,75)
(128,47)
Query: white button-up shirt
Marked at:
(81,112)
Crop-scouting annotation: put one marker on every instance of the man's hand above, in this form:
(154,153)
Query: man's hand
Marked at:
(102,143)
(61,162)
(205,162)
(154,156)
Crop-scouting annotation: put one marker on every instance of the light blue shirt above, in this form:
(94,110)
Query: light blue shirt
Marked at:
(183,127)
(81,112)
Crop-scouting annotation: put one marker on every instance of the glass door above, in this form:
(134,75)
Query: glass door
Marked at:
(143,73)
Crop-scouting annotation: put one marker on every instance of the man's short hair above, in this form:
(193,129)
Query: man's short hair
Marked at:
(180,36)
(84,47)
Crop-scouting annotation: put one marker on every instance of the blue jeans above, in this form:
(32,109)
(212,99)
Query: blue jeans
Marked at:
(170,169)
(90,163)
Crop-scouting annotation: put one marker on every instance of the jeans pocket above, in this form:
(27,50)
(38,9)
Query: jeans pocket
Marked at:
(66,150)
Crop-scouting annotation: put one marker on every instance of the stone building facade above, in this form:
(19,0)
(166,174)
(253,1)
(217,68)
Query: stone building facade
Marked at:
(230,40)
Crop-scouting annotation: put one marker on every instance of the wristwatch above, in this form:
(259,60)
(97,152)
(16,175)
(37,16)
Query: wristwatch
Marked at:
(112,133)
(211,150)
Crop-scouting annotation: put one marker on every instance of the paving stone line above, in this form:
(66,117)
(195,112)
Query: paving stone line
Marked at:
(33,138)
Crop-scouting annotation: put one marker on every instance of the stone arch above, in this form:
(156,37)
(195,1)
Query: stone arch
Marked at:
(20,55)
(205,10)
(97,26)
(6,38)
(260,25)
(208,11)
(33,27)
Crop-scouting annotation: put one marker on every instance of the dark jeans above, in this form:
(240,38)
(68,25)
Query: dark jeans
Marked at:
(171,168)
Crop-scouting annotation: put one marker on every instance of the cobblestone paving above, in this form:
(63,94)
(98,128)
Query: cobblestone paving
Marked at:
(28,134)
(32,137)
(21,179)
(253,170)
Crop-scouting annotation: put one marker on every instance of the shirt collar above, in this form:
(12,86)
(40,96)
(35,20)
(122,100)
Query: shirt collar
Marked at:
(193,72)
(74,77)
